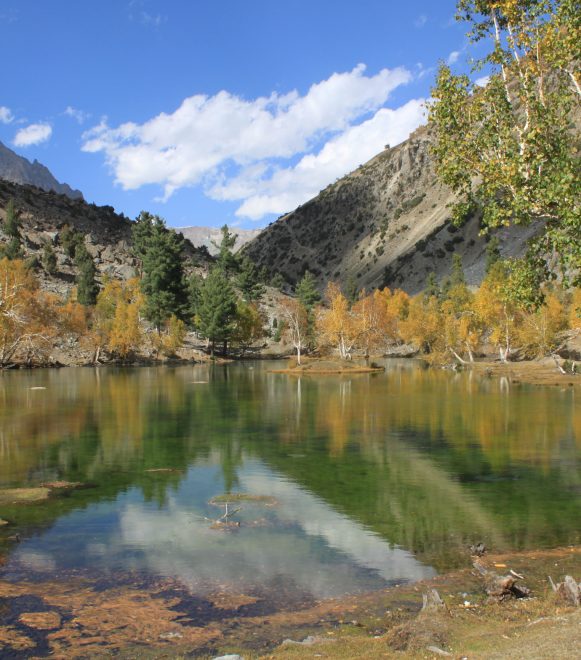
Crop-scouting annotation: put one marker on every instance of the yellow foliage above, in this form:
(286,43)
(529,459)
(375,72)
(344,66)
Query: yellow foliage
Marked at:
(538,330)
(338,326)
(26,320)
(575,310)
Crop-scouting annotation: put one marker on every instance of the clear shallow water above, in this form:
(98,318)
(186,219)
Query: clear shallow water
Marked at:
(378,479)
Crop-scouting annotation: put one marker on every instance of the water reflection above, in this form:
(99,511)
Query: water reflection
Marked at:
(379,478)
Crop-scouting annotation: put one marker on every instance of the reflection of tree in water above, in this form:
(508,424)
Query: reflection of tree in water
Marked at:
(425,458)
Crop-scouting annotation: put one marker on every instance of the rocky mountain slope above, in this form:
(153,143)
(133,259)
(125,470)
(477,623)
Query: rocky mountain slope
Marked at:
(385,224)
(107,234)
(208,236)
(17,169)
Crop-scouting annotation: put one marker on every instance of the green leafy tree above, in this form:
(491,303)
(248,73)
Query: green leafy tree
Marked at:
(216,310)
(163,284)
(248,280)
(87,287)
(509,147)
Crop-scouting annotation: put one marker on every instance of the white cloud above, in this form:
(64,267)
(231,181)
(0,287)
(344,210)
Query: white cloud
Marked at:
(226,143)
(6,116)
(154,20)
(280,190)
(32,134)
(482,82)
(421,20)
(78,115)
(453,57)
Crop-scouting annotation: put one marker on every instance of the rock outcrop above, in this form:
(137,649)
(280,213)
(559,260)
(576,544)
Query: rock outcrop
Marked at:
(107,235)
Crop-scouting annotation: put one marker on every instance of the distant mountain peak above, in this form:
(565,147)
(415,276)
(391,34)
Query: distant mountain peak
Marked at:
(17,169)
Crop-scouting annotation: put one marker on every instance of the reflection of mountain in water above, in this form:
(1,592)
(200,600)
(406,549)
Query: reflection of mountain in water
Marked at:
(424,460)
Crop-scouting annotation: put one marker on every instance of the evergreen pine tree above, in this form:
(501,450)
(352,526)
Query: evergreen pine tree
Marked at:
(351,290)
(457,276)
(248,280)
(49,261)
(308,296)
(307,291)
(195,284)
(216,310)
(432,287)
(227,260)
(277,281)
(163,284)
(12,249)
(87,287)
(70,239)
(12,221)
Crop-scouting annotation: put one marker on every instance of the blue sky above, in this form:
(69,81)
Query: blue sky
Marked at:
(215,111)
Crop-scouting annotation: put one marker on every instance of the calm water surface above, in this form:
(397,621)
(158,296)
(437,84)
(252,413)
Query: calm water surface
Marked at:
(378,479)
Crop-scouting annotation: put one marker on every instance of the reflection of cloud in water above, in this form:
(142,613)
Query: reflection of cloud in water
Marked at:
(317,518)
(318,551)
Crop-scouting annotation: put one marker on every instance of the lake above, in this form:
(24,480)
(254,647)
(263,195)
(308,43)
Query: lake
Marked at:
(371,480)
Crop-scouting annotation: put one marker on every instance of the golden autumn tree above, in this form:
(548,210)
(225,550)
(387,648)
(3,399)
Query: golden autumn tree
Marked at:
(337,325)
(497,310)
(25,323)
(116,318)
(538,329)
(370,317)
(424,326)
(249,326)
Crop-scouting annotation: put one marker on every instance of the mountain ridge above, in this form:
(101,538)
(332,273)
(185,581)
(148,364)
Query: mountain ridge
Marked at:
(18,169)
(387,223)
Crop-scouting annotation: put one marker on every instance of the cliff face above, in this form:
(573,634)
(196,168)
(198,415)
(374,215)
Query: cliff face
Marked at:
(107,234)
(16,169)
(385,224)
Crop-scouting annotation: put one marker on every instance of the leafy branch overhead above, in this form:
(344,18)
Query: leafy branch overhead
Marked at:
(510,149)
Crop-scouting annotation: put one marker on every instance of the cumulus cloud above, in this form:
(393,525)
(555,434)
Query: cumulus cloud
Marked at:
(482,82)
(279,190)
(231,145)
(78,115)
(32,134)
(6,116)
(453,57)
